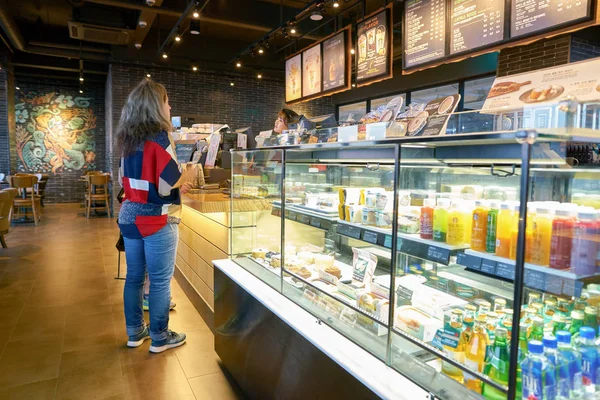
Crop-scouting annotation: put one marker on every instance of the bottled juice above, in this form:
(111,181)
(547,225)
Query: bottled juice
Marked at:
(455,234)
(559,323)
(562,239)
(549,309)
(440,220)
(573,359)
(539,377)
(589,360)
(492,222)
(590,318)
(492,324)
(585,244)
(507,321)
(427,218)
(475,352)
(456,353)
(479,225)
(499,304)
(496,368)
(467,211)
(542,236)
(506,218)
(577,319)
(537,329)
(468,321)
(531,210)
(561,367)
(483,306)
(514,233)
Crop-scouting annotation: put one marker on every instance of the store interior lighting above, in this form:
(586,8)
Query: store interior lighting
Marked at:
(195,27)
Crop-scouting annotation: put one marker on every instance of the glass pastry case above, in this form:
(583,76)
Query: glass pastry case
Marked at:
(468,263)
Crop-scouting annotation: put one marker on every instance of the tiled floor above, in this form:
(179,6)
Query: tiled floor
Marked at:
(62,329)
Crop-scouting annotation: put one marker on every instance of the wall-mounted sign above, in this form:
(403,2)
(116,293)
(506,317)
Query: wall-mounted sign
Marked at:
(293,78)
(432,121)
(374,47)
(546,86)
(475,24)
(424,31)
(335,61)
(311,71)
(530,16)
(320,70)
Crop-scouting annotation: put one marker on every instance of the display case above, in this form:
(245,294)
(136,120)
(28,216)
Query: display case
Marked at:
(448,257)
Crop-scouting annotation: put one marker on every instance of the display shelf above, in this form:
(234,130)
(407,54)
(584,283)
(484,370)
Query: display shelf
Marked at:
(410,244)
(536,276)
(304,216)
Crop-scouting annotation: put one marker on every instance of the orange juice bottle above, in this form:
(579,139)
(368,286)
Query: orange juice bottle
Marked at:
(503,232)
(514,232)
(479,225)
(542,235)
(456,226)
(467,211)
(529,231)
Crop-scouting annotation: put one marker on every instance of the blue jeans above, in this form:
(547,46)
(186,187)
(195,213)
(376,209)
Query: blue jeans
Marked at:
(156,253)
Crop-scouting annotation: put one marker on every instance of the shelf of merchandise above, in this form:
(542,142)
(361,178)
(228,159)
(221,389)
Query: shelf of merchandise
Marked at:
(410,244)
(304,216)
(538,277)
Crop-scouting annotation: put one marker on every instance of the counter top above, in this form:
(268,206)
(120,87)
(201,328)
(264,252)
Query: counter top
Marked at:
(218,202)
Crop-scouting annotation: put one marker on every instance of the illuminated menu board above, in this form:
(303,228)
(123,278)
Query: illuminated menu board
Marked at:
(530,16)
(334,62)
(424,31)
(475,23)
(373,55)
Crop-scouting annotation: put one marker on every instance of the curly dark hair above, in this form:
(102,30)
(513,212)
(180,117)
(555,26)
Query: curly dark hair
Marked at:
(142,116)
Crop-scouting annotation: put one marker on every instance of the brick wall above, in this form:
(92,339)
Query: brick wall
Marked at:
(64,186)
(540,54)
(584,48)
(209,95)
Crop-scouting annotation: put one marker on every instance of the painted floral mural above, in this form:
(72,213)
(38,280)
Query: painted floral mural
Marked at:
(55,133)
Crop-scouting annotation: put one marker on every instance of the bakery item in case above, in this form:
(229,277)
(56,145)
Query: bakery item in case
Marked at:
(259,252)
(335,271)
(302,272)
(276,261)
(306,256)
(323,261)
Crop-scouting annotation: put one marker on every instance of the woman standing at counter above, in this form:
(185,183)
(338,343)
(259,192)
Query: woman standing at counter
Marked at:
(284,117)
(148,219)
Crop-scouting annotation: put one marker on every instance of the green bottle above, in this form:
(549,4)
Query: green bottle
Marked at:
(537,329)
(591,318)
(559,323)
(577,318)
(440,220)
(492,222)
(496,368)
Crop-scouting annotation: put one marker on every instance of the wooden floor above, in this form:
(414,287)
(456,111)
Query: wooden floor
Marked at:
(62,329)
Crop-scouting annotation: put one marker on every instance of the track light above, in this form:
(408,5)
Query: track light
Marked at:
(165,55)
(293,30)
(81,91)
(231,84)
(261,50)
(352,51)
(238,64)
(178,38)
(148,75)
(316,15)
(80,78)
(336,4)
(18,88)
(194,68)
(354,85)
(259,76)
(195,27)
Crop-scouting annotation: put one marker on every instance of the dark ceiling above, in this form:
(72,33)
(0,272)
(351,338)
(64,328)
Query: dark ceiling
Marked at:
(38,31)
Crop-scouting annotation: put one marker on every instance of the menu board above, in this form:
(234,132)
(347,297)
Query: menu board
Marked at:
(546,86)
(424,31)
(373,58)
(475,23)
(334,62)
(529,16)
(293,78)
(311,71)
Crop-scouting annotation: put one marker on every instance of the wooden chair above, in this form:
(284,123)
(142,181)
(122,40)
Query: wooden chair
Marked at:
(97,192)
(6,204)
(27,196)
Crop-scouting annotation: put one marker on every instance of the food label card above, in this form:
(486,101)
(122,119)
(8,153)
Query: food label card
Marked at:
(546,86)
(433,119)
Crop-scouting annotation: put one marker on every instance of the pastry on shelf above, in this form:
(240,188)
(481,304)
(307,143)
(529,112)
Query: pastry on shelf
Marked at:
(323,261)
(335,271)
(302,272)
(306,256)
(259,253)
(276,261)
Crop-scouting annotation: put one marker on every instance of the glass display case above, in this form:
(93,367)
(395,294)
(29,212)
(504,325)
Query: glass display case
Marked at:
(468,263)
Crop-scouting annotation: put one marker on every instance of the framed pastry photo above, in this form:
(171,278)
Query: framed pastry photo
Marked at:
(311,71)
(293,78)
(336,61)
(374,38)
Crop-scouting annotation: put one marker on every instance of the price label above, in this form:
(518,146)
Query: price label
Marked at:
(276,212)
(370,237)
(387,242)
(505,270)
(305,219)
(438,254)
(488,266)
(349,230)
(316,222)
(535,279)
(469,261)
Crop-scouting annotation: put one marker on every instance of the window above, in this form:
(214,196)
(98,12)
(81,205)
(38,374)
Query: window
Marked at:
(382,101)
(352,112)
(476,92)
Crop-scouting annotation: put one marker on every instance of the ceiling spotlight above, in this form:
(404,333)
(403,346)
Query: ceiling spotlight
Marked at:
(194,68)
(138,46)
(259,76)
(196,14)
(195,27)
(336,4)
(352,51)
(293,30)
(165,55)
(354,85)
(80,91)
(142,24)
(148,75)
(316,15)
(178,38)
(18,88)
(238,64)
(260,50)
(231,84)
(81,79)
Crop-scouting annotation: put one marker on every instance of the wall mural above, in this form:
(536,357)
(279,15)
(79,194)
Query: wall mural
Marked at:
(55,133)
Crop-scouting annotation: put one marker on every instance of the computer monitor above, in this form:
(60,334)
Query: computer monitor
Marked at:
(251,140)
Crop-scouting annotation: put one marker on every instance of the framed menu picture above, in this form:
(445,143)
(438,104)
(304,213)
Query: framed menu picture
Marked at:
(336,61)
(311,71)
(374,53)
(293,78)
